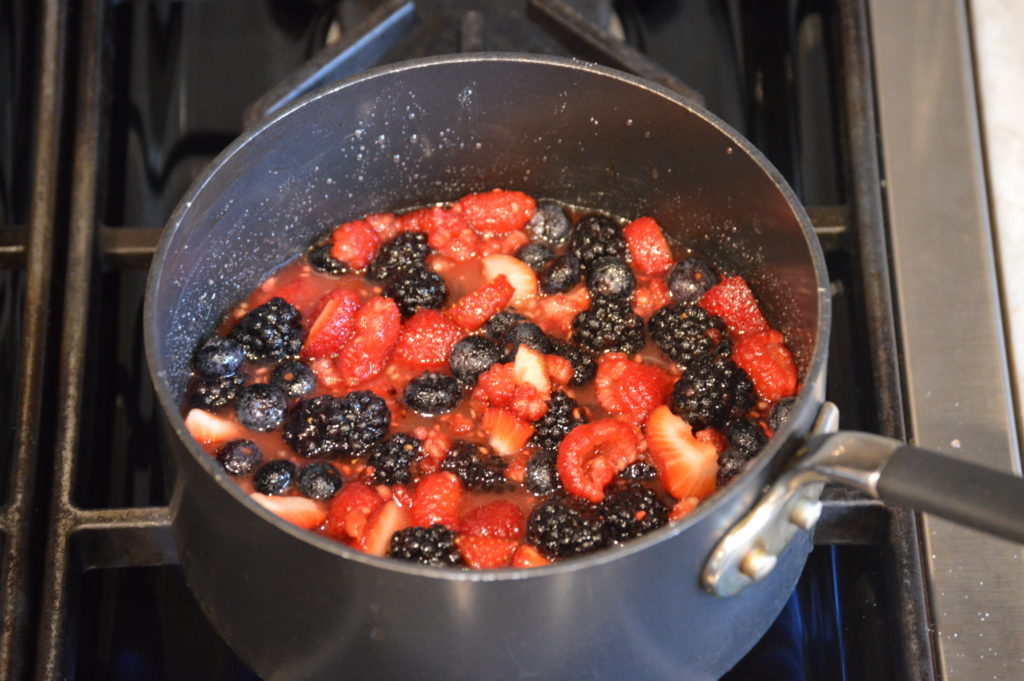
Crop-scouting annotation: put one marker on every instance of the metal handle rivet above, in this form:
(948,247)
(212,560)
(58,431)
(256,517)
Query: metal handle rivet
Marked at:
(805,513)
(757,564)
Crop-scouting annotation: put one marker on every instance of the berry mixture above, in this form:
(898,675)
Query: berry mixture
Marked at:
(496,382)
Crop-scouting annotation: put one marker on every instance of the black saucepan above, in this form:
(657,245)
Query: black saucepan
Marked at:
(685,602)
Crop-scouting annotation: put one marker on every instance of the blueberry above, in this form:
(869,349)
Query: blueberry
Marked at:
(294,378)
(239,457)
(611,277)
(780,412)
(472,356)
(321,260)
(497,325)
(561,274)
(260,407)
(528,334)
(549,224)
(536,255)
(218,357)
(432,394)
(319,480)
(274,477)
(690,279)
(541,475)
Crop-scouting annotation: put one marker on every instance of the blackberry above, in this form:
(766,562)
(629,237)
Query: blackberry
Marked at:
(472,356)
(497,325)
(566,526)
(476,466)
(274,477)
(684,332)
(327,426)
(215,393)
(639,470)
(584,366)
(271,332)
(561,274)
(712,392)
(780,412)
(610,277)
(524,333)
(319,480)
(747,437)
(597,236)
(218,357)
(563,415)
(432,394)
(417,289)
(731,463)
(631,510)
(405,252)
(690,279)
(536,255)
(609,326)
(549,224)
(261,407)
(434,545)
(294,378)
(239,457)
(542,475)
(391,459)
(321,260)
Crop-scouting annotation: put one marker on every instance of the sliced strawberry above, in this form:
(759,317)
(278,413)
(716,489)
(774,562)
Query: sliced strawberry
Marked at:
(496,386)
(648,246)
(768,362)
(497,519)
(299,511)
(592,454)
(437,499)
(384,225)
(377,326)
(506,432)
(381,527)
(333,325)
(526,556)
(474,309)
(733,301)
(518,273)
(350,510)
(427,340)
(497,211)
(207,428)
(631,388)
(686,466)
(555,313)
(529,369)
(486,553)
(355,243)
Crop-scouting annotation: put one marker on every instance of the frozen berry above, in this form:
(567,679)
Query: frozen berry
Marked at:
(549,224)
(611,277)
(319,480)
(434,545)
(294,378)
(690,279)
(566,526)
(584,366)
(684,332)
(597,236)
(260,407)
(321,260)
(391,459)
(631,510)
(561,274)
(417,289)
(274,477)
(712,392)
(476,466)
(218,357)
(405,252)
(239,457)
(563,415)
(541,475)
(609,326)
(327,426)
(215,393)
(472,356)
(497,325)
(271,332)
(536,255)
(432,394)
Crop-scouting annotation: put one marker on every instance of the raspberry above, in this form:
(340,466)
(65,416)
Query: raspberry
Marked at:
(333,325)
(592,455)
(609,325)
(391,459)
(629,388)
(486,553)
(631,510)
(326,426)
(434,545)
(565,526)
(405,252)
(684,332)
(475,309)
(427,340)
(354,243)
(712,392)
(436,499)
(563,415)
(270,332)
(365,355)
(732,300)
(417,289)
(501,519)
(497,211)
(766,359)
(476,466)
(647,246)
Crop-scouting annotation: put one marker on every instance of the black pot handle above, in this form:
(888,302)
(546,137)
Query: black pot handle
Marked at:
(957,490)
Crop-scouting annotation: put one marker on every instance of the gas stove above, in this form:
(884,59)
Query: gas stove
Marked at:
(866,107)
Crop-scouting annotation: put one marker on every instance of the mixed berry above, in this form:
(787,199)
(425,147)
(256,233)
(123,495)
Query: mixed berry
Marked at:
(489,383)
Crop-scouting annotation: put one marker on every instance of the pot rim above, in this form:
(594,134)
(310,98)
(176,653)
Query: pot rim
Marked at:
(803,410)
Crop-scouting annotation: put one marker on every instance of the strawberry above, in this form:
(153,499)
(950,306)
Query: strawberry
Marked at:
(496,386)
(526,556)
(648,246)
(365,355)
(299,511)
(529,368)
(355,244)
(506,432)
(714,437)
(207,428)
(437,499)
(630,388)
(381,527)
(497,211)
(518,273)
(485,553)
(682,507)
(686,466)
(556,312)
(384,225)
(350,510)
(427,339)
(474,309)
(768,362)
(559,369)
(733,301)
(333,324)
(592,454)
(497,519)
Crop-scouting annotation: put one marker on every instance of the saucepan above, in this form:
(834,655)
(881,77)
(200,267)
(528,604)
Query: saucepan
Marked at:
(684,602)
